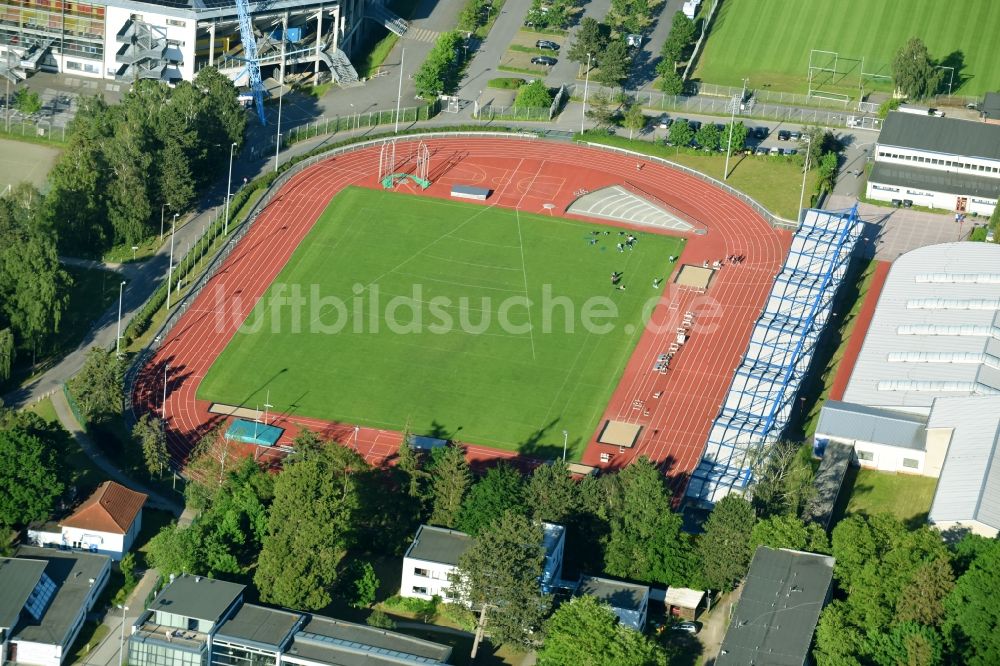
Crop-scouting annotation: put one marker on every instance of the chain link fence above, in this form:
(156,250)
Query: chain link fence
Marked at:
(332,125)
(490,112)
(21,127)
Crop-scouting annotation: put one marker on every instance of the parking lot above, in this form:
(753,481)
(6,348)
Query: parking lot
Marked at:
(763,138)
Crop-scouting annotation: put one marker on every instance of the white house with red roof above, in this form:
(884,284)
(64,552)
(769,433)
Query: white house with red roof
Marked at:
(107,523)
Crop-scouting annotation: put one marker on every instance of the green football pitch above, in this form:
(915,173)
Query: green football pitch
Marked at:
(769,41)
(413,312)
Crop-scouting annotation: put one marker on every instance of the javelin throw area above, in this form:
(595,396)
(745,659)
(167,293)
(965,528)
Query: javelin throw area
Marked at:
(674,409)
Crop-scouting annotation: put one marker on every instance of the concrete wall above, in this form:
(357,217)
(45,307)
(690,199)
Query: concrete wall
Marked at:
(887,458)
(928,199)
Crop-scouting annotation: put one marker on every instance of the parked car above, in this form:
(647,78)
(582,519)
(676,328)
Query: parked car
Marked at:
(791,151)
(546,45)
(761,150)
(696,125)
(761,132)
(720,127)
(776,151)
(688,627)
(796,136)
(548,61)
(784,135)
(664,122)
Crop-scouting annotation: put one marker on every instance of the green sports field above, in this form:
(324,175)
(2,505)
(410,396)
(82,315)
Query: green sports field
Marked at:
(415,314)
(769,40)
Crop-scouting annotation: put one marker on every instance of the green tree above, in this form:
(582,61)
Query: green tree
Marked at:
(364,586)
(550,493)
(127,567)
(500,490)
(309,529)
(681,133)
(913,70)
(783,478)
(411,465)
(922,599)
(534,95)
(28,478)
(614,64)
(177,184)
(682,29)
(152,437)
(973,615)
(98,387)
(27,101)
(600,111)
(498,576)
(646,542)
(787,531)
(591,37)
(739,137)
(670,81)
(635,119)
(708,136)
(7,353)
(725,545)
(585,631)
(451,478)
(175,550)
(379,619)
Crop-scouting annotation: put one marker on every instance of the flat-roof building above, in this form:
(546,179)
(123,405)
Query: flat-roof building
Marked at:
(45,595)
(197,621)
(943,163)
(629,601)
(924,394)
(774,620)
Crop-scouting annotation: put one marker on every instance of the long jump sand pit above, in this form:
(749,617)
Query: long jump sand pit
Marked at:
(694,277)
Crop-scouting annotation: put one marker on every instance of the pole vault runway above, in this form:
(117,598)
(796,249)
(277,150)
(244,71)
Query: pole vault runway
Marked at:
(675,409)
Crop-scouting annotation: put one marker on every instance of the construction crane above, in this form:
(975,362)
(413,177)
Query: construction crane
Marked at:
(250,51)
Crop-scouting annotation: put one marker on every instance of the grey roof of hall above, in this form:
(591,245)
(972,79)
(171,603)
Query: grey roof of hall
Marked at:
(969,485)
(198,597)
(18,578)
(627,596)
(945,136)
(71,572)
(331,641)
(776,616)
(260,626)
(935,180)
(848,420)
(891,313)
(439,544)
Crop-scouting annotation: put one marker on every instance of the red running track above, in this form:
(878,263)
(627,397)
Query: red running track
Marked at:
(524,174)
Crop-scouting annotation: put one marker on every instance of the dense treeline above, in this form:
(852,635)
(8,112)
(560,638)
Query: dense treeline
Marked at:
(30,477)
(33,288)
(123,162)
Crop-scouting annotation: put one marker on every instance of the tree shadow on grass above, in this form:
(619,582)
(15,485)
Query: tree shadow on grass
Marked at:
(955,60)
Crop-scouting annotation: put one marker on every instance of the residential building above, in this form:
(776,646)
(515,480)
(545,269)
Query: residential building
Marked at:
(434,554)
(924,393)
(197,621)
(168,40)
(629,601)
(774,620)
(108,523)
(944,163)
(45,595)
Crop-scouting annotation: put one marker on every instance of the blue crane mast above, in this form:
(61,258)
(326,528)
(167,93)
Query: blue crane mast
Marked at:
(250,51)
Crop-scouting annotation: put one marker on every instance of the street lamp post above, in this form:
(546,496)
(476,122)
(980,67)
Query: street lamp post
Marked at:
(805,171)
(277,140)
(586,86)
(732,123)
(229,190)
(121,642)
(162,207)
(118,338)
(399,93)
(565,439)
(170,267)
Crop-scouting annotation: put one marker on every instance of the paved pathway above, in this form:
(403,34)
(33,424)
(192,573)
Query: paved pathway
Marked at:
(484,64)
(156,500)
(105,653)
(715,624)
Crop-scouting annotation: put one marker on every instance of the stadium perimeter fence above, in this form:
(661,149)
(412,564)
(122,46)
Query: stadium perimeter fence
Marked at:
(293,168)
(358,121)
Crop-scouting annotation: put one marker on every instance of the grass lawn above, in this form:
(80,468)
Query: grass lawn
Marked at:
(775,182)
(76,466)
(957,33)
(424,322)
(91,634)
(866,491)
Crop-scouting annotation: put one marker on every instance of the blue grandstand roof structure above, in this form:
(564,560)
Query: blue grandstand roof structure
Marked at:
(760,399)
